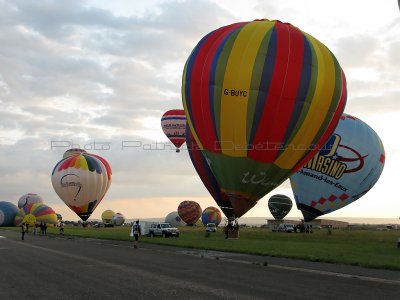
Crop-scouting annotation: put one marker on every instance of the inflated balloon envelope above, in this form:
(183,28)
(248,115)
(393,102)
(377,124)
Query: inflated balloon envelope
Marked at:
(279,206)
(260,99)
(82,181)
(173,123)
(344,170)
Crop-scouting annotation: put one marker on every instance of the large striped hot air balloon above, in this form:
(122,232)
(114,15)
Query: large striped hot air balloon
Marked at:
(206,175)
(189,211)
(344,170)
(173,123)
(36,213)
(260,99)
(82,181)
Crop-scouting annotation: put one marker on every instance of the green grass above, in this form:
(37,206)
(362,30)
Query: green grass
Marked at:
(366,248)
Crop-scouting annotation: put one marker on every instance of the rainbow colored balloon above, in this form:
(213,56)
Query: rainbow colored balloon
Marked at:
(29,198)
(344,170)
(35,213)
(82,181)
(173,123)
(260,99)
(211,215)
(189,211)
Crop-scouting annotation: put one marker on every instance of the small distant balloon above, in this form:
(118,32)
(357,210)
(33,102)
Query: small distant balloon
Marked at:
(118,219)
(107,216)
(211,215)
(36,213)
(279,206)
(189,211)
(173,123)
(174,219)
(8,211)
(29,198)
(344,170)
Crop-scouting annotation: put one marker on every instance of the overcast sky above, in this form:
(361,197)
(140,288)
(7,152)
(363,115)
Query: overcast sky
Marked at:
(99,71)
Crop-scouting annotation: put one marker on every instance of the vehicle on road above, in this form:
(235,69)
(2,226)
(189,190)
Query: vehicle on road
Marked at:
(211,227)
(284,228)
(163,229)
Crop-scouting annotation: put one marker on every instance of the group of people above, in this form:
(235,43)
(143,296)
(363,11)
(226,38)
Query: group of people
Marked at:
(301,227)
(25,229)
(232,225)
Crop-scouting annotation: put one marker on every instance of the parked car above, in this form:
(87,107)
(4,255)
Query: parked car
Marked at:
(163,229)
(211,227)
(285,228)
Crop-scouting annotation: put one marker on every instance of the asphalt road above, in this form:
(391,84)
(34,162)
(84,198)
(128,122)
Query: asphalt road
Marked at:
(56,267)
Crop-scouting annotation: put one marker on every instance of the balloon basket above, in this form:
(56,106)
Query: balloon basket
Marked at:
(233,234)
(177,150)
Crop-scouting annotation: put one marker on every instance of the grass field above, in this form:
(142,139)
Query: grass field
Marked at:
(367,248)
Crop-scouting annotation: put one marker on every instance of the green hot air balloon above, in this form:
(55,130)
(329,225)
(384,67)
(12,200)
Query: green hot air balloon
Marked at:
(279,206)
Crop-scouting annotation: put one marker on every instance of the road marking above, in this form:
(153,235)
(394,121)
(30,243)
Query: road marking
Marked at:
(2,237)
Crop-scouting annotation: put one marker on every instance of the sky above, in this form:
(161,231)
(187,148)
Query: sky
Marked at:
(99,74)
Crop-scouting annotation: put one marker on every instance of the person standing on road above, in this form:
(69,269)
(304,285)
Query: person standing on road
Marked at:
(136,233)
(44,228)
(22,230)
(61,228)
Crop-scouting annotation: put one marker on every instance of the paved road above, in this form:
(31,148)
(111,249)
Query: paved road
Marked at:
(56,267)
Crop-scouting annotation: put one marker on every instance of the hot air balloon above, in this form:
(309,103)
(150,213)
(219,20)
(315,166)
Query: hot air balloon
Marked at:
(207,177)
(118,219)
(173,123)
(35,213)
(82,181)
(211,215)
(189,211)
(344,170)
(8,211)
(279,206)
(107,216)
(29,198)
(73,151)
(260,99)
